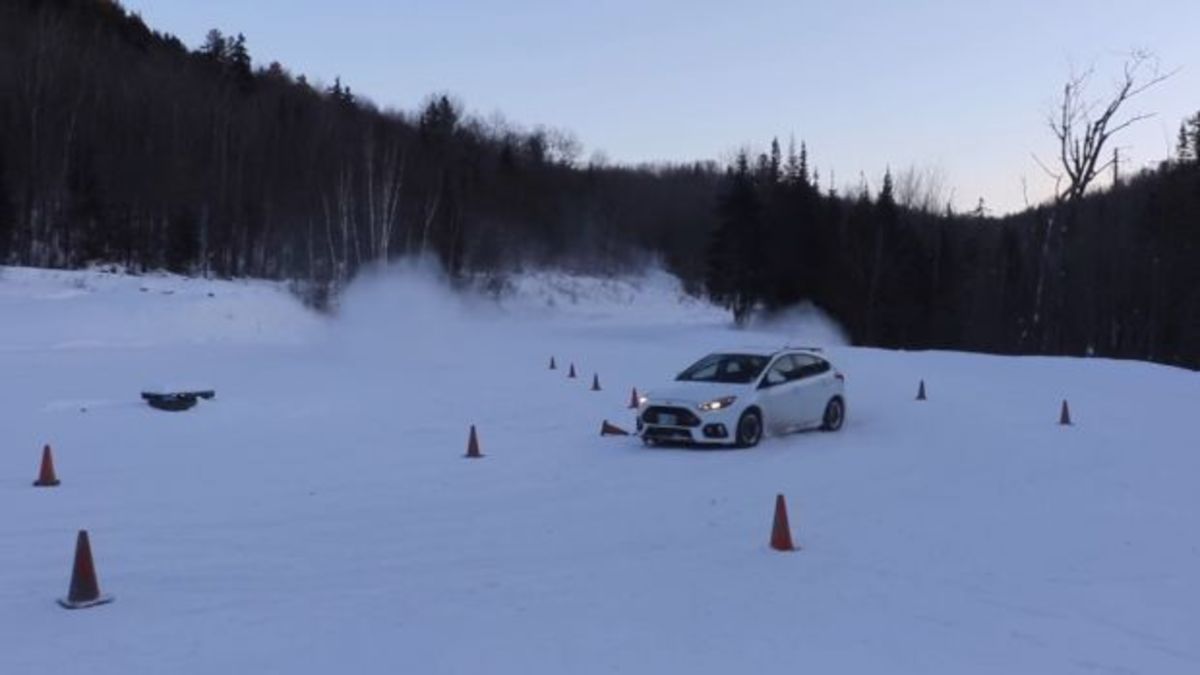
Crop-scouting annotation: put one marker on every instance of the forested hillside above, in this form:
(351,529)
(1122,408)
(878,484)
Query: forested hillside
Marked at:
(1113,273)
(118,143)
(121,144)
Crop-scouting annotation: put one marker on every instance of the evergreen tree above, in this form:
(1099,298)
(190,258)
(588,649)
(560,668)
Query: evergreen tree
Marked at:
(887,193)
(734,277)
(1187,147)
(804,164)
(762,169)
(215,46)
(791,167)
(340,94)
(796,169)
(1183,146)
(1194,125)
(776,162)
(238,57)
(440,118)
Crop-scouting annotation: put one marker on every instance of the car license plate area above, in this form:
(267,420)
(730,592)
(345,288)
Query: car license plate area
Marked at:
(667,420)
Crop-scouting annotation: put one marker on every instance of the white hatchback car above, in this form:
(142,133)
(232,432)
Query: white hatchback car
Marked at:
(734,398)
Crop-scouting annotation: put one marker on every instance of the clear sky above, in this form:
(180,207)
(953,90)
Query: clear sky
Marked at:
(961,87)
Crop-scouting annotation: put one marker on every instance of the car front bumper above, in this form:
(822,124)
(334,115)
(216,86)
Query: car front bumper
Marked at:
(675,423)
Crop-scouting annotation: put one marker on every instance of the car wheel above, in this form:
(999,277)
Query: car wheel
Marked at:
(835,415)
(749,429)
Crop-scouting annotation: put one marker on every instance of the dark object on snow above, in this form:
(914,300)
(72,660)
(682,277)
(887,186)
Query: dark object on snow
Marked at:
(176,401)
(609,429)
(171,402)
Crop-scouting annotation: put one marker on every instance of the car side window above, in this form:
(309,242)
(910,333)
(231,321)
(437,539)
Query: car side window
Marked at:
(732,368)
(781,371)
(808,366)
(804,365)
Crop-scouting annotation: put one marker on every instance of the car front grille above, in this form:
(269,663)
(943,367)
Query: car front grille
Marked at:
(683,417)
(668,434)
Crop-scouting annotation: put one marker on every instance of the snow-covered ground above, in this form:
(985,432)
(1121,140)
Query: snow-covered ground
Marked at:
(318,515)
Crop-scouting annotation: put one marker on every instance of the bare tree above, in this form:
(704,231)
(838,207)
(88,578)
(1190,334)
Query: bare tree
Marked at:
(921,188)
(384,187)
(1084,125)
(565,147)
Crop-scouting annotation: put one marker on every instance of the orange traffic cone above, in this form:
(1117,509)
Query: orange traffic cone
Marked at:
(571,372)
(921,391)
(633,399)
(781,533)
(473,445)
(553,365)
(596,382)
(46,477)
(608,429)
(85,590)
(1064,418)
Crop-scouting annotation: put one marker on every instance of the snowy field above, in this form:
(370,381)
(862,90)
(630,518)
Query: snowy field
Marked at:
(318,515)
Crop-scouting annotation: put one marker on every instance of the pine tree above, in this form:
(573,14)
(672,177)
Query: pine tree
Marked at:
(1183,147)
(791,168)
(885,218)
(776,162)
(734,278)
(215,46)
(1194,124)
(238,57)
(887,194)
(762,169)
(340,93)
(1187,148)
(440,118)
(804,180)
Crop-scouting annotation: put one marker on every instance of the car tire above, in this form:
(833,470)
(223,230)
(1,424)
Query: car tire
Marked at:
(749,429)
(835,415)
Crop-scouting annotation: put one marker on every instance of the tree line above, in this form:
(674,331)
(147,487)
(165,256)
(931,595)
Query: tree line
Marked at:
(120,144)
(1114,272)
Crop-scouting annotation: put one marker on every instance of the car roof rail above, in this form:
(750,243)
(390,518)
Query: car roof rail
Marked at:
(803,348)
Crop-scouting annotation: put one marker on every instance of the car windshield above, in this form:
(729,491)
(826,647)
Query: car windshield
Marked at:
(725,368)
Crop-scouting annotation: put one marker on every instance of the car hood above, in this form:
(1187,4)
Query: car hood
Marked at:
(692,394)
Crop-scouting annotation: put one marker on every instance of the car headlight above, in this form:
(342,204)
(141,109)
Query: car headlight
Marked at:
(718,404)
(642,400)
